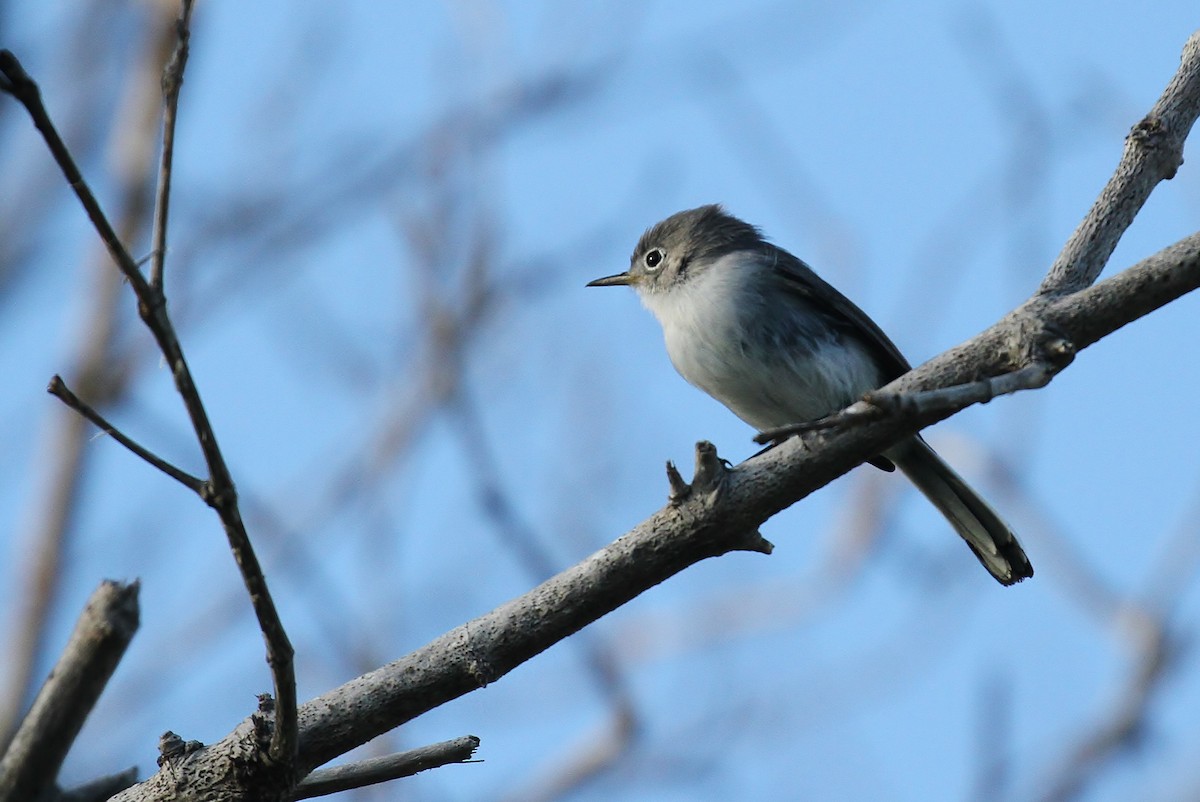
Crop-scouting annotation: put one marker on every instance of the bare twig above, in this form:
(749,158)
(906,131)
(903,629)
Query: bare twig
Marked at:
(26,91)
(107,624)
(59,390)
(219,492)
(99,789)
(172,81)
(879,404)
(54,505)
(961,396)
(391,767)
(1138,290)
(1153,152)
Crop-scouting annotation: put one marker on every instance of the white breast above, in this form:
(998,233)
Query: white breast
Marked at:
(720,339)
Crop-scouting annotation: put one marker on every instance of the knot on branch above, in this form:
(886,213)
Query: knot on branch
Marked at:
(708,478)
(219,499)
(172,747)
(1058,351)
(709,481)
(262,723)
(1154,135)
(1147,129)
(475,661)
(151,304)
(1044,344)
(15,81)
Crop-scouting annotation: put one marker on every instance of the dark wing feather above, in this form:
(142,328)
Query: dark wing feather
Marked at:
(800,281)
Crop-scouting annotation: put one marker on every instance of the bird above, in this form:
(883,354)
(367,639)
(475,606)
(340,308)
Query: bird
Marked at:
(758,330)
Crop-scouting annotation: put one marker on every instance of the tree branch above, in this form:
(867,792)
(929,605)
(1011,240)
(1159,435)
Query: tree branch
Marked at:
(100,789)
(219,492)
(1097,311)
(106,626)
(59,390)
(1153,153)
(25,90)
(481,651)
(392,767)
(172,82)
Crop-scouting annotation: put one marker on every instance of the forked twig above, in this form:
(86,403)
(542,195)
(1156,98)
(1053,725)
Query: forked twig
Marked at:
(219,491)
(58,388)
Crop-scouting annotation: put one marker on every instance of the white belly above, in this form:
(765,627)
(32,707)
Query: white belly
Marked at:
(768,375)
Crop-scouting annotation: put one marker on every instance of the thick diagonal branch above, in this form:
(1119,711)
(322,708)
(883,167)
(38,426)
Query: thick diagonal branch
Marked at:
(723,518)
(105,628)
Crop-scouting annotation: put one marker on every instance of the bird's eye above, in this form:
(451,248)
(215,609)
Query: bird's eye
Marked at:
(653,258)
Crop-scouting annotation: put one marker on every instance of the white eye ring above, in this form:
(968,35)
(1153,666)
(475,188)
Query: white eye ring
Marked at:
(653,258)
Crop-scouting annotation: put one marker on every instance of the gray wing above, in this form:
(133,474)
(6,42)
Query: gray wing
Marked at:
(840,312)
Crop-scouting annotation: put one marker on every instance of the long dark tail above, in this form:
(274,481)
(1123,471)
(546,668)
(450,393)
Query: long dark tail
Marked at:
(985,532)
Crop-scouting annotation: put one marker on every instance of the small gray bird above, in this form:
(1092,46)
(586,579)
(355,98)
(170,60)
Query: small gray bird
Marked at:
(758,330)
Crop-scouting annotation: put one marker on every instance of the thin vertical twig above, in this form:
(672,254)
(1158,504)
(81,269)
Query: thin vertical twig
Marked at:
(38,568)
(219,491)
(172,81)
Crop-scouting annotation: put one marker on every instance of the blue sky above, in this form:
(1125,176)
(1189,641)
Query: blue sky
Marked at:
(335,167)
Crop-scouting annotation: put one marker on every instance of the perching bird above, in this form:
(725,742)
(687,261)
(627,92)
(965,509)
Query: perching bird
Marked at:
(758,330)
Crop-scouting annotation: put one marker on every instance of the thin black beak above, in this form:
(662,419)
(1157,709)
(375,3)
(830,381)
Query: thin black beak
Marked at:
(612,281)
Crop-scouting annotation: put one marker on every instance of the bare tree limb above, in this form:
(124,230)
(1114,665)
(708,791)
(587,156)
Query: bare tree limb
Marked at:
(54,506)
(219,492)
(481,651)
(720,514)
(106,626)
(519,536)
(381,769)
(1153,153)
(101,788)
(1155,281)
